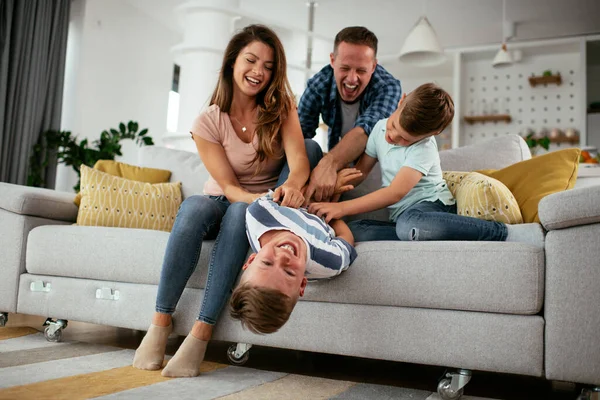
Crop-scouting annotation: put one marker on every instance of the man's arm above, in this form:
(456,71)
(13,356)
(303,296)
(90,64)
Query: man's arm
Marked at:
(342,230)
(309,111)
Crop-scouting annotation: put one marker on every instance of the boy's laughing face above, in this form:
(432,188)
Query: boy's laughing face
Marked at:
(279,265)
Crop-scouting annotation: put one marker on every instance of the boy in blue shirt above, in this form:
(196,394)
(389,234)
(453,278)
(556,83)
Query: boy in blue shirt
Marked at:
(421,205)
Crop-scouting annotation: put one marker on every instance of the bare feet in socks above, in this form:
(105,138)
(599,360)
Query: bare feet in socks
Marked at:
(151,353)
(186,362)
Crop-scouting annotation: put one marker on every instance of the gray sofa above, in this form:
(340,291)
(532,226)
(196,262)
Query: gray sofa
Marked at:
(504,307)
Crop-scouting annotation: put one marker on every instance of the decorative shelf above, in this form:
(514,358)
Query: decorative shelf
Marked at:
(544,80)
(564,139)
(488,118)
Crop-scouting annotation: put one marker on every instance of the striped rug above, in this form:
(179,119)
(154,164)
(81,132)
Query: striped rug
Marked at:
(33,368)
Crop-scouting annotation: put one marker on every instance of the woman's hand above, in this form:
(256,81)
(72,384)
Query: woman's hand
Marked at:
(328,211)
(288,196)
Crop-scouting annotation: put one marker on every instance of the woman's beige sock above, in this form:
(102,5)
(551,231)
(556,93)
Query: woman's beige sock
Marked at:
(151,353)
(186,362)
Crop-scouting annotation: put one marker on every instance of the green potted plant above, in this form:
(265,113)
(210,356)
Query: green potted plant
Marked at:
(533,142)
(73,153)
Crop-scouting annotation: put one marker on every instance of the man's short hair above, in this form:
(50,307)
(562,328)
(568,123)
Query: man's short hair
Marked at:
(260,309)
(356,35)
(427,109)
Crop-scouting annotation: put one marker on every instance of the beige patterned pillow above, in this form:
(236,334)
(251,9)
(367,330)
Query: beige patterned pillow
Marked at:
(108,200)
(453,179)
(486,198)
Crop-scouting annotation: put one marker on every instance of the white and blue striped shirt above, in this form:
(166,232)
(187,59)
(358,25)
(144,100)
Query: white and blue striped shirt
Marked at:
(327,255)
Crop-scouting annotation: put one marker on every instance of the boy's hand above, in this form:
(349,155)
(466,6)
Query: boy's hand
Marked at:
(344,177)
(289,196)
(328,211)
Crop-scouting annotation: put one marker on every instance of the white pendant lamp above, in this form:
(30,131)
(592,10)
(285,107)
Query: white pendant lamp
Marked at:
(422,47)
(503,57)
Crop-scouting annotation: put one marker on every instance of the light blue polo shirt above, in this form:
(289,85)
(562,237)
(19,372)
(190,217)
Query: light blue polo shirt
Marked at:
(422,156)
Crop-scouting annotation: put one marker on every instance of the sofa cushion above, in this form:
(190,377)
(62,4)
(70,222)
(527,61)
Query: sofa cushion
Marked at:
(496,277)
(108,200)
(495,153)
(127,171)
(532,180)
(102,253)
(477,276)
(482,197)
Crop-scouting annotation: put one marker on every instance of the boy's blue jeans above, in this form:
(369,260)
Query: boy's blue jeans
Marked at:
(210,217)
(429,221)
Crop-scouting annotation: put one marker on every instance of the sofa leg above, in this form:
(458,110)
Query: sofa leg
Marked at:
(53,331)
(590,394)
(452,386)
(239,353)
(3,319)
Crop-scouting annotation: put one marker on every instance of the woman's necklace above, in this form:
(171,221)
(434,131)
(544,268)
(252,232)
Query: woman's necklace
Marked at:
(242,125)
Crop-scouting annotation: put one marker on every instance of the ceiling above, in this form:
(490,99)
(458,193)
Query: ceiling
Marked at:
(458,23)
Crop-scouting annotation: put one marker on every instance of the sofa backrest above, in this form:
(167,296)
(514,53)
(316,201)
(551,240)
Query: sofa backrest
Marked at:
(496,153)
(185,167)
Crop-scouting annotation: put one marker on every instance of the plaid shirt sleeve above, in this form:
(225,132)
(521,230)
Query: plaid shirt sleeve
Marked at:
(385,100)
(309,110)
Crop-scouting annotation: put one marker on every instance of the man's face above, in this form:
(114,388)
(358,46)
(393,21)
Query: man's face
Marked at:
(279,265)
(396,134)
(353,66)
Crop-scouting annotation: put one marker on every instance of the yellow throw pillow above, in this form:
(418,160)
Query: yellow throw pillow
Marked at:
(128,171)
(486,198)
(453,179)
(108,200)
(531,180)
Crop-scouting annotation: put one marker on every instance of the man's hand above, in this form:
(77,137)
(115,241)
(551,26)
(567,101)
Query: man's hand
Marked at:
(289,196)
(322,182)
(328,211)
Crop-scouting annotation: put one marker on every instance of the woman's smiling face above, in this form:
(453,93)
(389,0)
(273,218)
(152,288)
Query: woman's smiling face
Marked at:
(253,68)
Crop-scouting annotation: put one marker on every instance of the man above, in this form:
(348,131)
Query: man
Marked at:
(352,94)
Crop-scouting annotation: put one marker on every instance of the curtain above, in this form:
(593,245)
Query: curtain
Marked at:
(33,44)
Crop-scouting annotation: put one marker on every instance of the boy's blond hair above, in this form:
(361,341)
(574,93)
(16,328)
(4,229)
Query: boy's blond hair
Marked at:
(427,109)
(260,309)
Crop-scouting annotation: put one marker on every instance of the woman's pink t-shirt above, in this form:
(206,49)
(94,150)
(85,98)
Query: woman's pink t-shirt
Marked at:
(215,126)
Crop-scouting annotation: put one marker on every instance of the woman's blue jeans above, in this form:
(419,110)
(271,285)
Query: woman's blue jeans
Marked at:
(429,221)
(210,217)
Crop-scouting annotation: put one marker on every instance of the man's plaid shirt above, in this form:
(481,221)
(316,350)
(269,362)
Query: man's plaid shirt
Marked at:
(379,101)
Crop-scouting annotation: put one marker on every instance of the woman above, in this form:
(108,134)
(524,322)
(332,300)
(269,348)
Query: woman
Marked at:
(244,138)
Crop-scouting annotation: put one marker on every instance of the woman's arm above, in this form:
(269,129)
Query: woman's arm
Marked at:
(403,183)
(217,164)
(295,153)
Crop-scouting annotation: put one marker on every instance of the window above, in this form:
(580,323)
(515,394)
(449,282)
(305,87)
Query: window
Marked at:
(173,106)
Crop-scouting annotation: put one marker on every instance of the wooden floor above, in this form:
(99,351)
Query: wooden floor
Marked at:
(492,385)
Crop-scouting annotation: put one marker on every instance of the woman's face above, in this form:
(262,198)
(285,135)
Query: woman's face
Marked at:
(253,68)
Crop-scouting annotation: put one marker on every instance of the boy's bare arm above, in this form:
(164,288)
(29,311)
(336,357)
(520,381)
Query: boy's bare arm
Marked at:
(365,165)
(342,230)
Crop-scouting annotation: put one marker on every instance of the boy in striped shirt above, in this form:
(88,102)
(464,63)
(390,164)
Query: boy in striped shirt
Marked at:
(290,246)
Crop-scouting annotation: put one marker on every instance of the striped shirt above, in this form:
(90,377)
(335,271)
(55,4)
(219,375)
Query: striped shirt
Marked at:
(327,255)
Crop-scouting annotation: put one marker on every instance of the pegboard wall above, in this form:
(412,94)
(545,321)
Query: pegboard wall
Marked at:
(488,90)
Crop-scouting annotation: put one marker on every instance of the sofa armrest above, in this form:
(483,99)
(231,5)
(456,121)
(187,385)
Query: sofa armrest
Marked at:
(38,202)
(570,208)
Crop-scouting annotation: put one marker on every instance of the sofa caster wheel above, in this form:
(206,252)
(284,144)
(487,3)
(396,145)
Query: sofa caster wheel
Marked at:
(53,331)
(445,391)
(239,353)
(3,319)
(590,394)
(452,386)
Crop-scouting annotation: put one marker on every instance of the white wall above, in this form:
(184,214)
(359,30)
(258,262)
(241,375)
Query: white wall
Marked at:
(119,68)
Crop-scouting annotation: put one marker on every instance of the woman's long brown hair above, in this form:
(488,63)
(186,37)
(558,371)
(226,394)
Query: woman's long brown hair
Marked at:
(274,102)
